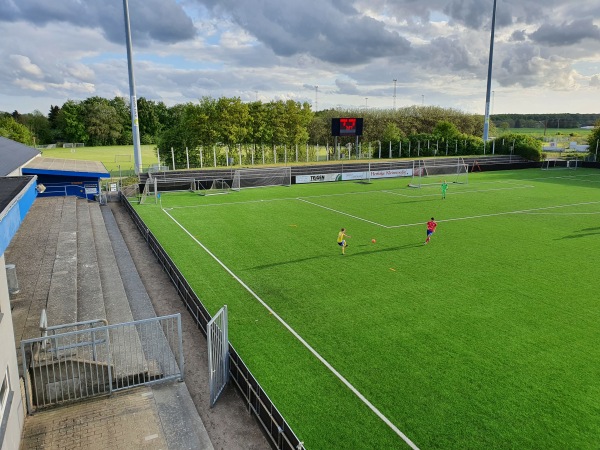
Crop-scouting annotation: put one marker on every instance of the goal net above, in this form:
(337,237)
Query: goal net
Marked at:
(271,176)
(217,186)
(560,163)
(434,171)
(154,186)
(122,158)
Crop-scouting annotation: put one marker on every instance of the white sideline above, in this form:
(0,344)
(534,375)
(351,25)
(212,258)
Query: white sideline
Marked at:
(520,211)
(524,186)
(306,344)
(343,213)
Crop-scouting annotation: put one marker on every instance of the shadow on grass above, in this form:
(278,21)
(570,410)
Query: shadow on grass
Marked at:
(382,250)
(339,253)
(591,232)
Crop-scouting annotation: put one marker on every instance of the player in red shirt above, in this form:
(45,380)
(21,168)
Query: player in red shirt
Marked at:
(431,225)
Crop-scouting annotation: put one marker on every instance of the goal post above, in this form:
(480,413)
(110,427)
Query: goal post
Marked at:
(216,187)
(560,163)
(156,185)
(122,158)
(427,172)
(263,177)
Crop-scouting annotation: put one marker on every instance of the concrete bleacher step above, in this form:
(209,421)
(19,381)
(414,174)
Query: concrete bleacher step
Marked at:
(139,300)
(89,287)
(33,252)
(62,296)
(116,304)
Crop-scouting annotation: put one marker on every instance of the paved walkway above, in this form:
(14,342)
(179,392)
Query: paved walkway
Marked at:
(127,420)
(159,417)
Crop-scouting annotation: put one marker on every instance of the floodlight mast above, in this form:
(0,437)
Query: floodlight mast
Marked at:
(135,126)
(486,120)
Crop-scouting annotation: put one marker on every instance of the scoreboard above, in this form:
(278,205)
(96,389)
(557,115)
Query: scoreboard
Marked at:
(347,126)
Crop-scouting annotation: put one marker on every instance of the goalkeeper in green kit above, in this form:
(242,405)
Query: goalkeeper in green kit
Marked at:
(444,189)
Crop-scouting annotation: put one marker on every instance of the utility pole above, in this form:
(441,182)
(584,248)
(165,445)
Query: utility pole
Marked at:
(135,126)
(486,120)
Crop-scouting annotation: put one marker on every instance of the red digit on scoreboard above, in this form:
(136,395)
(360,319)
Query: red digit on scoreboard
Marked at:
(348,124)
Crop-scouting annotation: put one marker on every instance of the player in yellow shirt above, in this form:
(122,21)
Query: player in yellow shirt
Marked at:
(341,240)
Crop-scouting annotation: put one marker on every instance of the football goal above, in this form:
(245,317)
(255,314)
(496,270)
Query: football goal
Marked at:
(560,163)
(122,158)
(434,171)
(155,185)
(269,176)
(217,186)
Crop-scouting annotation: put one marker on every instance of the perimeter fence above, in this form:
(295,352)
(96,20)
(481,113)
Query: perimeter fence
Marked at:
(280,434)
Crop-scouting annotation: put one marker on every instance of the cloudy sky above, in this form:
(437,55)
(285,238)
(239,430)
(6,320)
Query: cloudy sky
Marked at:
(546,56)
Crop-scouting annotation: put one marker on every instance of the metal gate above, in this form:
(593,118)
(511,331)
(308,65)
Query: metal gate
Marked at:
(218,354)
(91,360)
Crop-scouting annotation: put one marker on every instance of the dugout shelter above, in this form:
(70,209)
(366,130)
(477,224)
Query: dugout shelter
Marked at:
(62,177)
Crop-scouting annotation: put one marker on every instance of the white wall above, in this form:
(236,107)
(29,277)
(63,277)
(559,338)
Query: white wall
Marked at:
(8,358)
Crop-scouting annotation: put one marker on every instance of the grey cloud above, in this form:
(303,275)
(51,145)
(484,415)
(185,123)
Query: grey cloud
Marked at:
(160,20)
(329,31)
(519,36)
(347,87)
(445,54)
(566,33)
(595,81)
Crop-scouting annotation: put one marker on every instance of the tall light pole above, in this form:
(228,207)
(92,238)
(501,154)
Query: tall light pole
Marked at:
(395,93)
(135,126)
(422,99)
(486,120)
(316,98)
(366,102)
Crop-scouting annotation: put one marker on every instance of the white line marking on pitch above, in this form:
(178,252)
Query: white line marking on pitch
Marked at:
(521,211)
(341,212)
(524,186)
(306,344)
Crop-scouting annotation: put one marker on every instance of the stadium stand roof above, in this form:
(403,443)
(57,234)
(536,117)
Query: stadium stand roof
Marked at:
(66,167)
(14,155)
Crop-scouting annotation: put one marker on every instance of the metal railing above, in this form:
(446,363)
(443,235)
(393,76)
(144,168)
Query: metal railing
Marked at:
(65,366)
(280,434)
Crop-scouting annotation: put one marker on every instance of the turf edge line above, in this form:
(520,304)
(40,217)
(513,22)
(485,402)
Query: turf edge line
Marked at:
(306,344)
(343,213)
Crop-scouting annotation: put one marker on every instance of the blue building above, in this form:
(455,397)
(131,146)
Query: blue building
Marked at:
(61,177)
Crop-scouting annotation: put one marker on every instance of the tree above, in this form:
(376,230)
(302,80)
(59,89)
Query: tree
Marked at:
(232,120)
(103,123)
(70,123)
(149,120)
(39,126)
(594,138)
(53,123)
(446,131)
(392,133)
(125,136)
(11,129)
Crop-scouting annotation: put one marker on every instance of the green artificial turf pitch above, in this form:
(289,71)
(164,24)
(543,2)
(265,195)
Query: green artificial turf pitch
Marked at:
(487,337)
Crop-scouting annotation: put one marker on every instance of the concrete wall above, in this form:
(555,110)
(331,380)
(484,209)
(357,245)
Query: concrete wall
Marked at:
(14,415)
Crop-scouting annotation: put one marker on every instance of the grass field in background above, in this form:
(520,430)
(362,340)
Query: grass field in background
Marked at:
(105,155)
(485,338)
(552,132)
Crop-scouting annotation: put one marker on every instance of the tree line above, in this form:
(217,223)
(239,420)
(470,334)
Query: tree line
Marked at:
(544,121)
(99,121)
(230,122)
